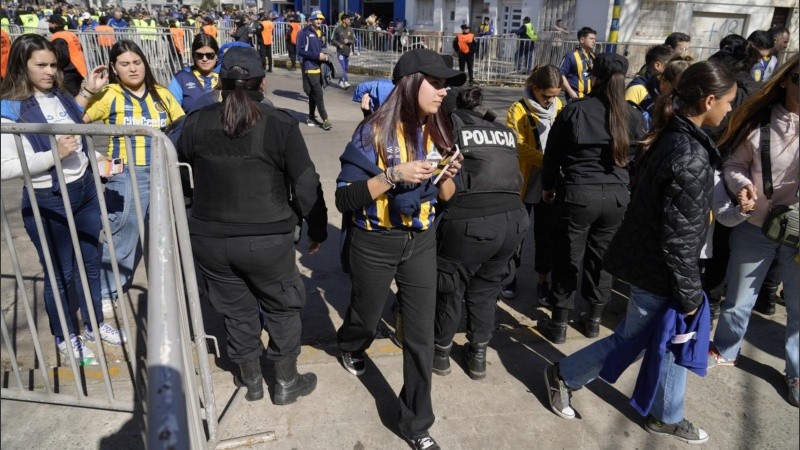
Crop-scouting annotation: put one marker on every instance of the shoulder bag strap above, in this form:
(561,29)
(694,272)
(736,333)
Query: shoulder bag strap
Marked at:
(534,124)
(766,165)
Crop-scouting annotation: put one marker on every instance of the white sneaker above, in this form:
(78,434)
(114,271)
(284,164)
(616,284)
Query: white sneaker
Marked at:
(82,353)
(108,334)
(108,308)
(346,84)
(341,84)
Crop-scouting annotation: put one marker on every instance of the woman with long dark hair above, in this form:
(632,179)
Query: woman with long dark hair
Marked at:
(32,93)
(657,251)
(532,118)
(585,172)
(778,104)
(132,97)
(247,157)
(191,82)
(386,194)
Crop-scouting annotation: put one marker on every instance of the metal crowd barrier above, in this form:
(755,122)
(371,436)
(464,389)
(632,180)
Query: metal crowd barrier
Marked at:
(178,395)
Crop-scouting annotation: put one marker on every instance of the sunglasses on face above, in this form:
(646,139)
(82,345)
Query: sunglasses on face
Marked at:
(794,78)
(201,55)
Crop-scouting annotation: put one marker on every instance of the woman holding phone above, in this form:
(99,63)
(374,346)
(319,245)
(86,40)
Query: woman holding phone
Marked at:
(132,98)
(386,194)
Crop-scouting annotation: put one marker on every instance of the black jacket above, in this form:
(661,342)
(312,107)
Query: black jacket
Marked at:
(579,146)
(657,247)
(242,187)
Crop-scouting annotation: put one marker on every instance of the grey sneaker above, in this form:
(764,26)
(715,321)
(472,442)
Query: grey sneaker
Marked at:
(558,393)
(354,363)
(684,430)
(326,125)
(794,391)
(108,308)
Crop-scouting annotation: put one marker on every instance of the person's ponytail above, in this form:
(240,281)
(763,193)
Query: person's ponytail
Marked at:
(239,112)
(618,117)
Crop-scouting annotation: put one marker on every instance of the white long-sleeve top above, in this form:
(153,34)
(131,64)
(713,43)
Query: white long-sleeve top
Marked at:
(39,163)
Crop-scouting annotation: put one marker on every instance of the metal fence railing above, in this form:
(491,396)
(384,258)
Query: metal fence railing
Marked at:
(497,59)
(174,387)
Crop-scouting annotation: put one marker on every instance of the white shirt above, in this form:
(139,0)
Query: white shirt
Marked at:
(40,163)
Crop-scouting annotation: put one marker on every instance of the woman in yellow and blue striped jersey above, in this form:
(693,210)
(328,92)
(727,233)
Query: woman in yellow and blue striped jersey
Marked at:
(131,98)
(387,195)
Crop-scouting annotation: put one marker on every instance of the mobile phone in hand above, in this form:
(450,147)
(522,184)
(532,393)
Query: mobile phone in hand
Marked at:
(445,164)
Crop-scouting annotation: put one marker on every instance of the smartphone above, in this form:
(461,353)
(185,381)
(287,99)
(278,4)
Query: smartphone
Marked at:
(113,167)
(445,164)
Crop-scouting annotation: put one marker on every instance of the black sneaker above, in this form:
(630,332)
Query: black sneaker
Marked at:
(312,122)
(424,443)
(558,393)
(354,362)
(683,430)
(543,292)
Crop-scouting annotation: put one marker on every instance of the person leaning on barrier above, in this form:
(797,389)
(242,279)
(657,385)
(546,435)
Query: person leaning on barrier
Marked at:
(481,227)
(532,118)
(386,194)
(31,93)
(310,42)
(657,250)
(132,98)
(70,55)
(190,83)
(243,153)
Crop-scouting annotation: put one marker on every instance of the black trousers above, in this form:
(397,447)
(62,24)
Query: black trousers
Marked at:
(292,49)
(248,273)
(543,216)
(266,52)
(376,258)
(587,216)
(312,86)
(472,258)
(469,60)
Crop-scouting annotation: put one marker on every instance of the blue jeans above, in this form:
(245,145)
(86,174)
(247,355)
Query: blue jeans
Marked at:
(584,365)
(124,228)
(345,60)
(86,213)
(751,255)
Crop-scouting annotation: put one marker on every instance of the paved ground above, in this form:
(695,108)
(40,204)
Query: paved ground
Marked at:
(742,407)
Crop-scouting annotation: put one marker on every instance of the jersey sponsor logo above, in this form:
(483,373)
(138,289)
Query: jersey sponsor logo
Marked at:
(487,137)
(142,121)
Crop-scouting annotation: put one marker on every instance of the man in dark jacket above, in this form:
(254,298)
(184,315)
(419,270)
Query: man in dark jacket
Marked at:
(344,39)
(310,42)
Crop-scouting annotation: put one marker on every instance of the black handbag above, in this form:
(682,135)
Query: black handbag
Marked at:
(782,224)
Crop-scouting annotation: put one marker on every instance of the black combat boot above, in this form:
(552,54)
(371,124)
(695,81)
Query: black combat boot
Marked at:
(441,359)
(476,360)
(289,384)
(591,320)
(555,329)
(252,378)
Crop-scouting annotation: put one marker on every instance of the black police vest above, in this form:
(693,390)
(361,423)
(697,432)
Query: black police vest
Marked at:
(490,162)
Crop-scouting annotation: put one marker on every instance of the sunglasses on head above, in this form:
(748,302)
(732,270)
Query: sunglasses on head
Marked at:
(794,78)
(201,55)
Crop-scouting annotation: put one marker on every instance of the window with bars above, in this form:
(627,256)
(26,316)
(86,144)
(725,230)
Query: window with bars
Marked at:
(424,13)
(656,19)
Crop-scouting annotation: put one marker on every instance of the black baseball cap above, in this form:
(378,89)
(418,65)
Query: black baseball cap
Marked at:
(428,62)
(606,63)
(245,57)
(56,19)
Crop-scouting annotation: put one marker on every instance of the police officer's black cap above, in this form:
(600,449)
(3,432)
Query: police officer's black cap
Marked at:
(607,63)
(245,57)
(428,62)
(464,26)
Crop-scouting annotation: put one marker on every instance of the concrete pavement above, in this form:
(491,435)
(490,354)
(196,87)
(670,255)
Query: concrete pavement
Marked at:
(741,407)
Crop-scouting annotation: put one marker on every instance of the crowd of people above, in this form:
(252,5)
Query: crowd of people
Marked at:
(649,181)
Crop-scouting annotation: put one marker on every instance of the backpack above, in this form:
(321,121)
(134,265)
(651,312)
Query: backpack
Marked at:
(490,162)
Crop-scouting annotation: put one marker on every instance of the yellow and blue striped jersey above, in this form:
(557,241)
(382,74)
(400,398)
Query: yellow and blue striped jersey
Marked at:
(380,215)
(117,106)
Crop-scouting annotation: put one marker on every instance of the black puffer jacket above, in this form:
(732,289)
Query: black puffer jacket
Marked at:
(657,247)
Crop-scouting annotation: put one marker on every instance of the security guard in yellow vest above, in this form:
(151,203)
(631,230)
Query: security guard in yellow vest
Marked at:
(145,26)
(28,21)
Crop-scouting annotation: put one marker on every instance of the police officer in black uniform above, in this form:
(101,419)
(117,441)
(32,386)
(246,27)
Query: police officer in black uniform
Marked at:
(481,227)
